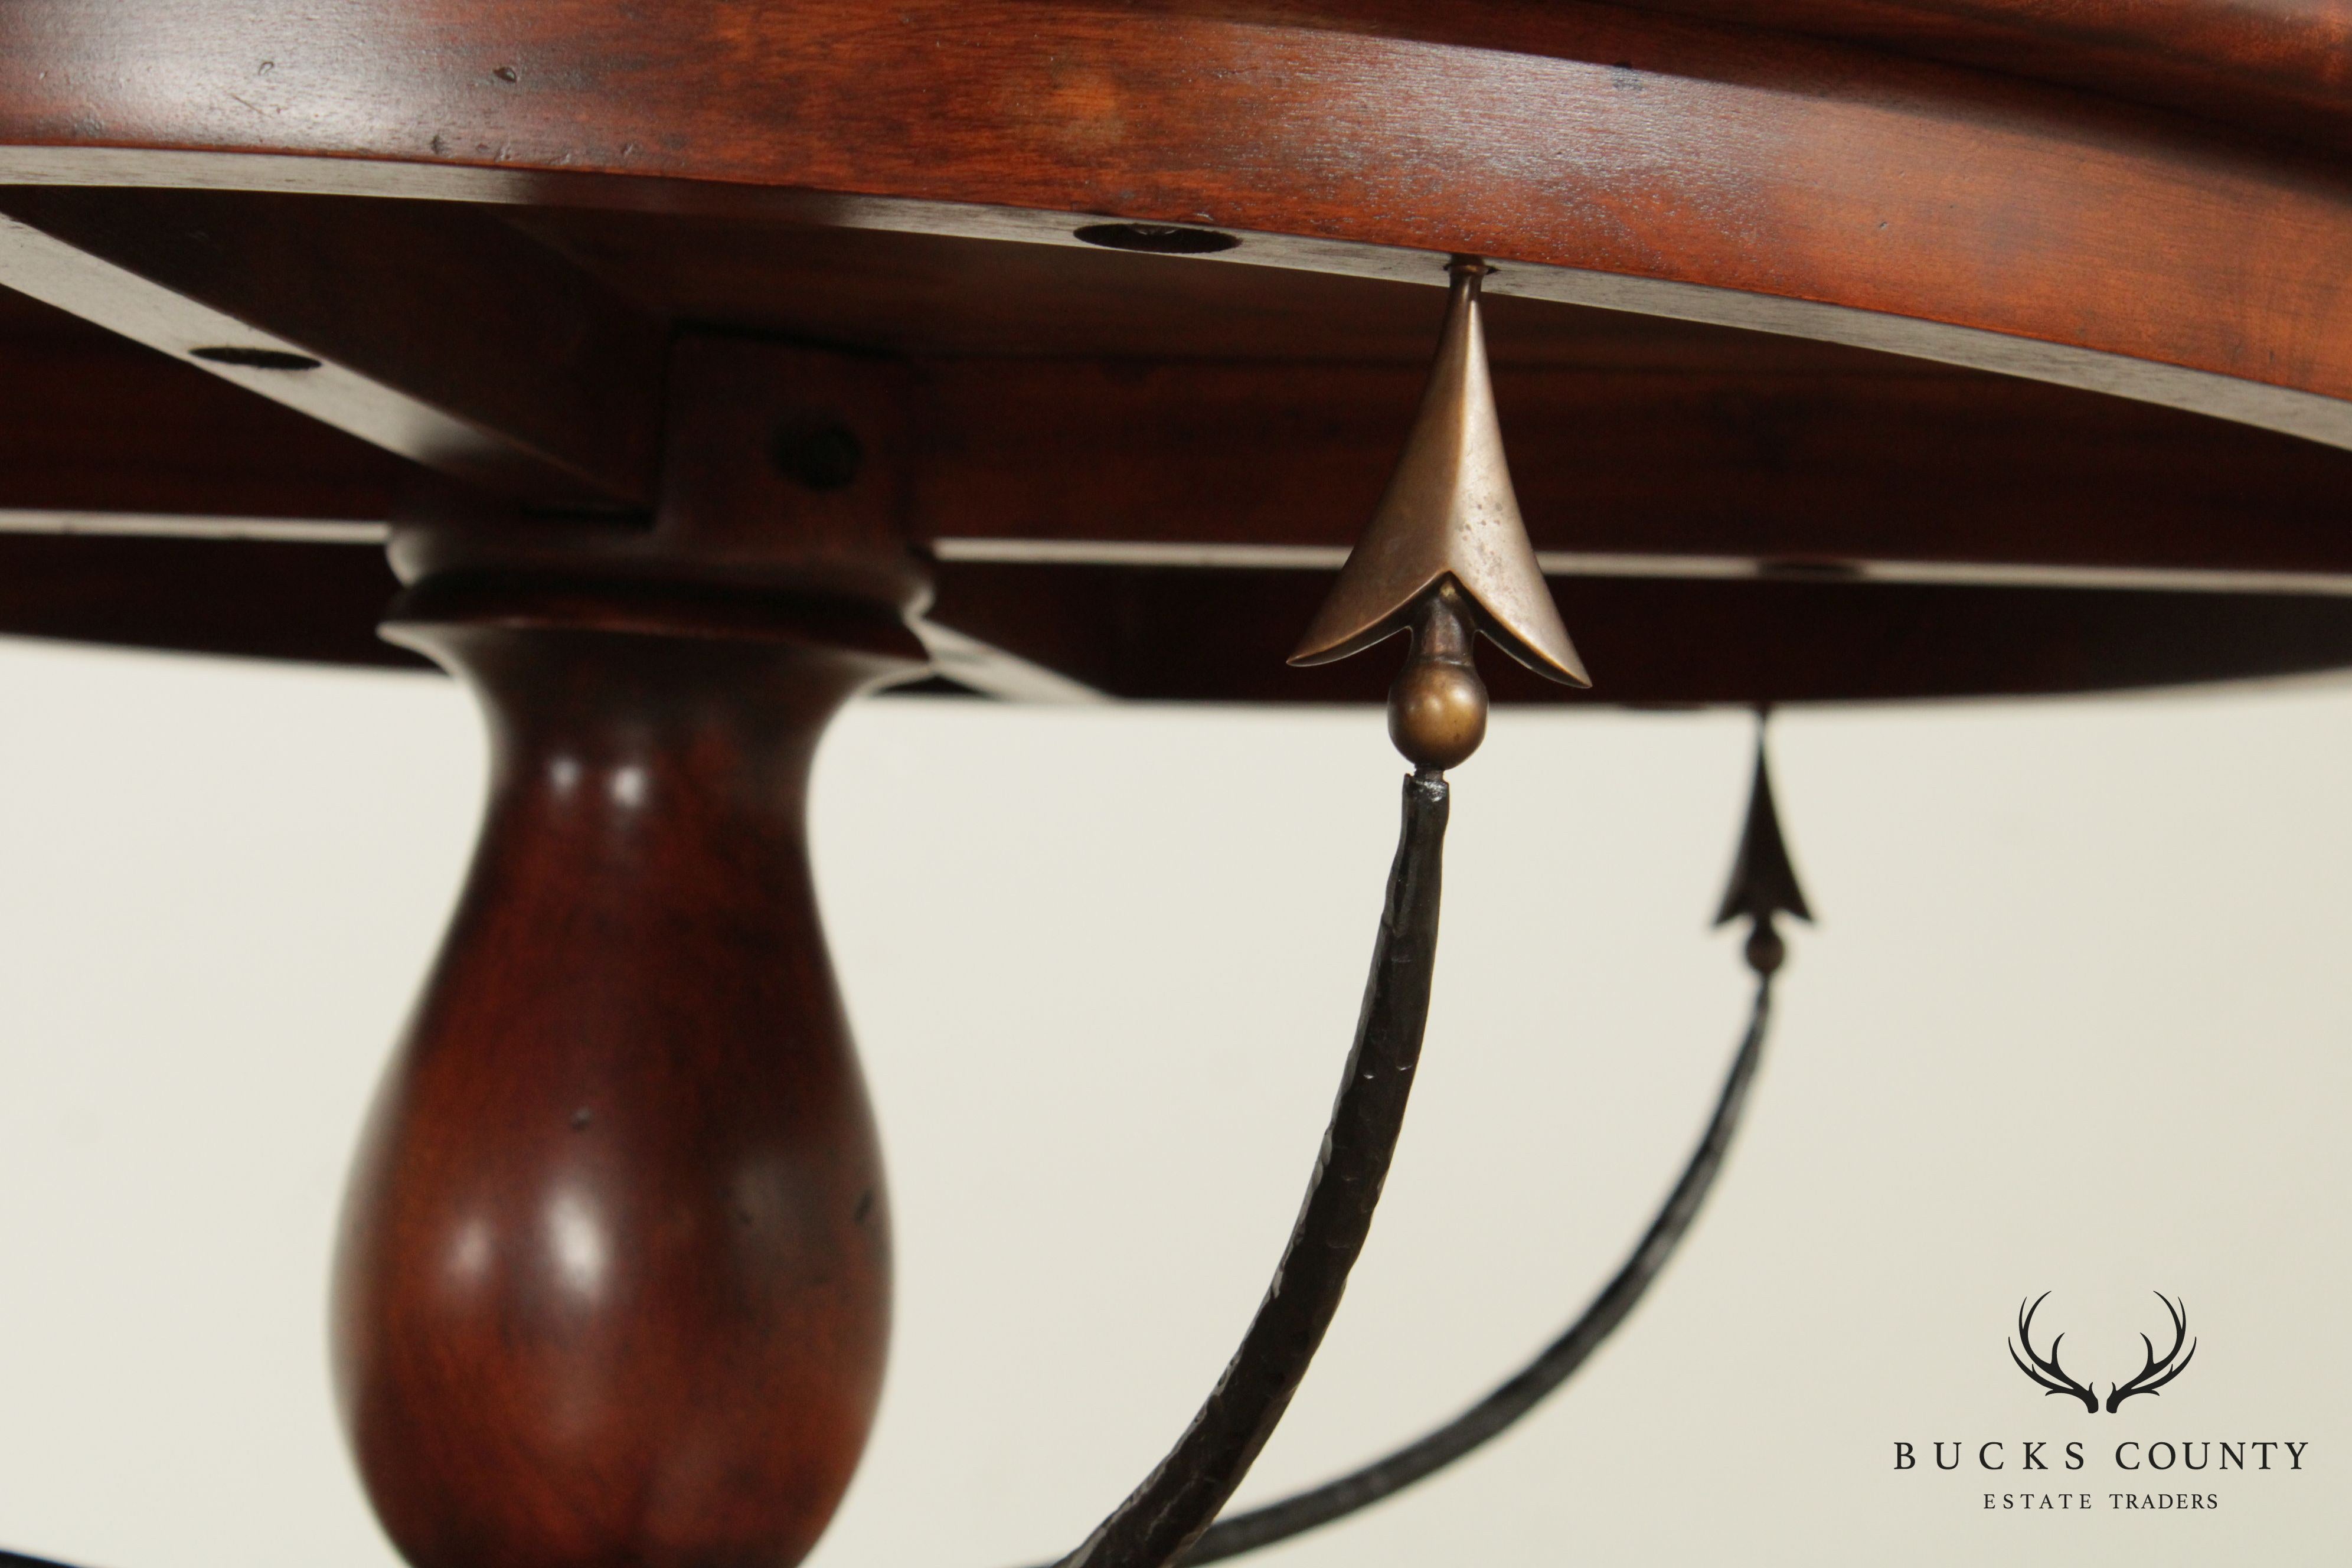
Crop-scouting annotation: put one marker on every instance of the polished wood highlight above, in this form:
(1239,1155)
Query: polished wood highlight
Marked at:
(1650,163)
(2272,65)
(614,1282)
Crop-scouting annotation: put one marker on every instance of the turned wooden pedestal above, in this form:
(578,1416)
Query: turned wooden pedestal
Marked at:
(614,1285)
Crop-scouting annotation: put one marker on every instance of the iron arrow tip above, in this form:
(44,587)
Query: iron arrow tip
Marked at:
(1763,880)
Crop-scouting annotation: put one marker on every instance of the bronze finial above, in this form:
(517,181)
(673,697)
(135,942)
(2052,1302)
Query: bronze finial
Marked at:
(1449,512)
(1437,709)
(1763,882)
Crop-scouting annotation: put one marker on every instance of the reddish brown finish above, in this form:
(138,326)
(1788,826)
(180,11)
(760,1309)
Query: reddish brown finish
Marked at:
(1189,635)
(1205,636)
(318,603)
(789,467)
(434,331)
(93,422)
(931,296)
(784,469)
(1876,459)
(1622,441)
(1814,188)
(1627,433)
(614,1281)
(2277,65)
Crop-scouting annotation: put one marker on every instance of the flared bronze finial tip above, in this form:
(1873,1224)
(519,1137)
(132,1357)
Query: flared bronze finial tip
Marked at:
(1763,880)
(1450,513)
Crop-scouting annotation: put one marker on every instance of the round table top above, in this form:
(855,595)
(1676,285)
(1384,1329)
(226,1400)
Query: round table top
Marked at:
(1844,348)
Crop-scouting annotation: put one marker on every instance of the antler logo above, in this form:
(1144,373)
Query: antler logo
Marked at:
(2054,1378)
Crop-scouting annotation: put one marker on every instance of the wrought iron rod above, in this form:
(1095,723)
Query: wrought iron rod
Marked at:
(1528,1387)
(1162,1518)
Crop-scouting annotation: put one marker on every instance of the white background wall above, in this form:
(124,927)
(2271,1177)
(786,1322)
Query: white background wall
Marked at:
(2075,1020)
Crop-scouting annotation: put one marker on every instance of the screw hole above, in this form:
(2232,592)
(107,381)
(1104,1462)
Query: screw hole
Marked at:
(817,454)
(1157,238)
(1809,570)
(256,359)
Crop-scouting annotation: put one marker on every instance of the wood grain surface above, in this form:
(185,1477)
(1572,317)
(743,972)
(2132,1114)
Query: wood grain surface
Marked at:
(431,330)
(823,175)
(1665,441)
(1623,157)
(614,1282)
(2277,65)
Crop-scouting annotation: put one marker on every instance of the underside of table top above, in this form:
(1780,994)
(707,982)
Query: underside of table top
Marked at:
(1891,352)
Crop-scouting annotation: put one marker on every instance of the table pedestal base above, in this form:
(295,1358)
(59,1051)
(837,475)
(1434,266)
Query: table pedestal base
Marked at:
(613,1281)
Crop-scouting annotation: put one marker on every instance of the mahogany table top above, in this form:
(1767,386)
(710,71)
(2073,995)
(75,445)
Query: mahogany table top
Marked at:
(1845,348)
